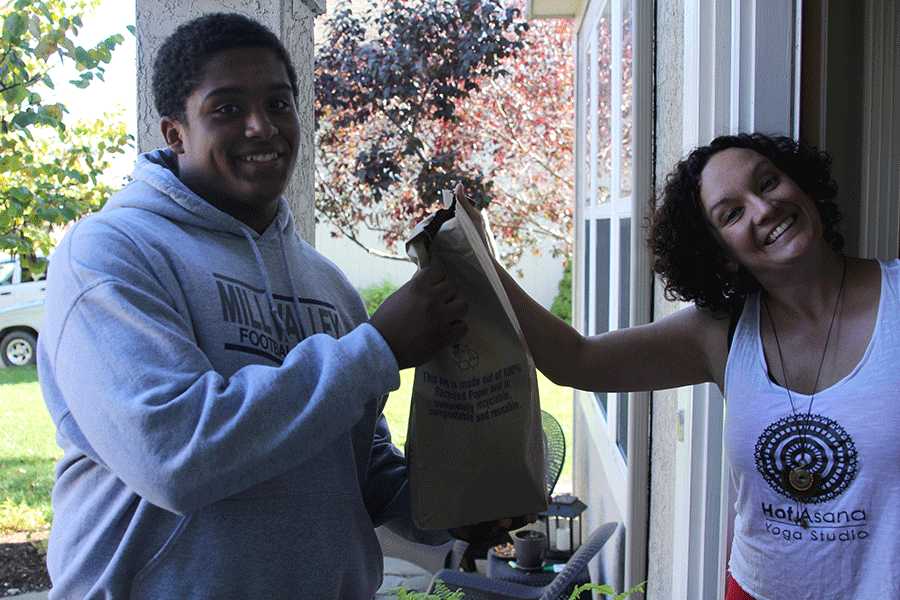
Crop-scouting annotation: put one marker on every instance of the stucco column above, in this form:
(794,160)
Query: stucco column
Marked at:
(292,20)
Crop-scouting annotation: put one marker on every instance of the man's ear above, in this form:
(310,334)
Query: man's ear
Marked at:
(172,134)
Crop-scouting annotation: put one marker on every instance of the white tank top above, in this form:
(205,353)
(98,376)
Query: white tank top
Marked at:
(851,546)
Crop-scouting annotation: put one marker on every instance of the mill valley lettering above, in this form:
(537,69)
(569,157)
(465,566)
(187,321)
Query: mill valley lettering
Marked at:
(259,331)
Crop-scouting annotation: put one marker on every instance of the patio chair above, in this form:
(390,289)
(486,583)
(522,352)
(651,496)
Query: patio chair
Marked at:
(554,449)
(479,587)
(429,558)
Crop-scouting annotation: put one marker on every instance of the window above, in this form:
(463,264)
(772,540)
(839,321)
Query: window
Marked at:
(608,175)
(7,269)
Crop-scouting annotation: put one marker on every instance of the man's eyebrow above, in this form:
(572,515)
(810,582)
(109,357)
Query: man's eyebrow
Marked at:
(232,90)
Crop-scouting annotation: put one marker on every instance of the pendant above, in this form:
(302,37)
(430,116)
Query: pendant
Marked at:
(800,481)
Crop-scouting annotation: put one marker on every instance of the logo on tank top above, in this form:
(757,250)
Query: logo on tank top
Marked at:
(816,441)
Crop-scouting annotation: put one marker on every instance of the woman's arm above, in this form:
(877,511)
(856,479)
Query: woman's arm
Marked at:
(685,348)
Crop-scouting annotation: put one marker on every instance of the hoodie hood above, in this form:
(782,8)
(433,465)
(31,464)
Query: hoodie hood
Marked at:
(159,170)
(171,199)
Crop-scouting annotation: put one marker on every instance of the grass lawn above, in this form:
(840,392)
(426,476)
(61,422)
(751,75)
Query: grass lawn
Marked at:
(554,399)
(28,451)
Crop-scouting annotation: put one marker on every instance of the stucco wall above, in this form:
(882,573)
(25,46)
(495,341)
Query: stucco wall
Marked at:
(292,20)
(669,135)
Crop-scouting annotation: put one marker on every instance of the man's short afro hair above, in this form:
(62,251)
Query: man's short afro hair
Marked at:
(181,61)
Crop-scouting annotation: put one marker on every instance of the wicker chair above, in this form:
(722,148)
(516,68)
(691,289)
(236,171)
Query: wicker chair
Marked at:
(479,587)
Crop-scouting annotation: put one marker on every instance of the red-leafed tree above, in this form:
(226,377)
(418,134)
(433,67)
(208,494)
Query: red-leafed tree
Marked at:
(519,129)
(420,94)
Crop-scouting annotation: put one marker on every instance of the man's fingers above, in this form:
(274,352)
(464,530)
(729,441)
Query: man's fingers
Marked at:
(434,275)
(457,331)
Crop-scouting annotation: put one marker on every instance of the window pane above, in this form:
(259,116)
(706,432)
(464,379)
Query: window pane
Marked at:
(588,243)
(622,423)
(604,103)
(625,271)
(602,281)
(7,269)
(627,100)
(588,127)
(601,285)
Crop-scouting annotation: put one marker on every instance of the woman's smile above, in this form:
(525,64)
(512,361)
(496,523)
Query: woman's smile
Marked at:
(776,233)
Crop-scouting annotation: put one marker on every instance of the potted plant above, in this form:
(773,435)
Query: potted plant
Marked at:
(530,546)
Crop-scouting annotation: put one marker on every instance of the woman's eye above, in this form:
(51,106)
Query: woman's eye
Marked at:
(227,109)
(769,182)
(731,215)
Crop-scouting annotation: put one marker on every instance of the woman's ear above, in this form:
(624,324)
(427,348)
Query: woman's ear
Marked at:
(172,134)
(732,266)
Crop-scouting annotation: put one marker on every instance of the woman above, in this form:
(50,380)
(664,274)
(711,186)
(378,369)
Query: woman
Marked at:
(798,337)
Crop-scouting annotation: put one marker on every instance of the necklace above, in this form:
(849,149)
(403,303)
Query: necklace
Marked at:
(800,480)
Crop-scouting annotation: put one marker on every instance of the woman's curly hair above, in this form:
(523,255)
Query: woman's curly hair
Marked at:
(686,255)
(181,61)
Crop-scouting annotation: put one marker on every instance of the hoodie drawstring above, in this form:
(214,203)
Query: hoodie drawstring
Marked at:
(273,308)
(289,271)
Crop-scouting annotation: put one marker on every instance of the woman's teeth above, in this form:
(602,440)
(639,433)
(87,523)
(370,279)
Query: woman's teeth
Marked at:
(776,233)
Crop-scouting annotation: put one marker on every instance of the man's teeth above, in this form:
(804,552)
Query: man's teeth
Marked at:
(261,157)
(776,233)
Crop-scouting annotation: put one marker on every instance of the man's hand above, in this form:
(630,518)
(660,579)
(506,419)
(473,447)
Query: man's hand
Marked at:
(490,533)
(422,317)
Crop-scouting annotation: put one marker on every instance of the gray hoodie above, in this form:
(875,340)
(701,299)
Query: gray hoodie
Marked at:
(217,395)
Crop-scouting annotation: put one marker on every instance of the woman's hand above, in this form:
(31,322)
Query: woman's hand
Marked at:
(463,201)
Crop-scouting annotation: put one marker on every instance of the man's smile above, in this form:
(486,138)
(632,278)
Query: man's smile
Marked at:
(261,157)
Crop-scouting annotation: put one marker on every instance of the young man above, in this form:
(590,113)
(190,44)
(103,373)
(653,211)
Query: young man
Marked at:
(216,384)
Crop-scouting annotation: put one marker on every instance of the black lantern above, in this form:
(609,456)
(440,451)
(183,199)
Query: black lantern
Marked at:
(562,524)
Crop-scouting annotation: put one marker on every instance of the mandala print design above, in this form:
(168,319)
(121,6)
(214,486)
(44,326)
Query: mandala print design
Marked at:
(465,357)
(825,446)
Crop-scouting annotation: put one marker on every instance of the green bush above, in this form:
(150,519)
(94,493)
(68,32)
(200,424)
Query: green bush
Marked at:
(562,304)
(375,294)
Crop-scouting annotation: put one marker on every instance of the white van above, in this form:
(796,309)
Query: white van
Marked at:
(17,282)
(19,328)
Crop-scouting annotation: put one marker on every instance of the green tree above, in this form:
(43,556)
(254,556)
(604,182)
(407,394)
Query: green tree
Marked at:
(50,167)
(562,304)
(375,294)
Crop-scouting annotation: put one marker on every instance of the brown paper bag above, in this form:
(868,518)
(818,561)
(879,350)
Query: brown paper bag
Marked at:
(474,443)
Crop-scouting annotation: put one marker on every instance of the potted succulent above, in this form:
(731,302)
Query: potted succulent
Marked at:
(530,546)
